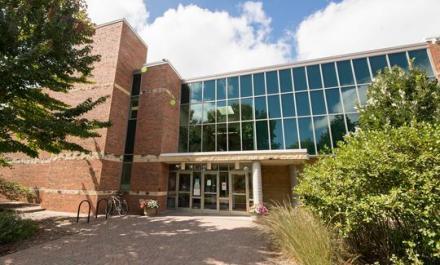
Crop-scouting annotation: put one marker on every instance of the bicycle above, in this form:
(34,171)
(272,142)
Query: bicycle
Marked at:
(117,205)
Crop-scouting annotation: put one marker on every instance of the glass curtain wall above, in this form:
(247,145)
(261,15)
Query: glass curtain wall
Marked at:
(311,106)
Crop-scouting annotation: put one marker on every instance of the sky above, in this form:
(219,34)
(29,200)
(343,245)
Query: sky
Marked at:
(204,37)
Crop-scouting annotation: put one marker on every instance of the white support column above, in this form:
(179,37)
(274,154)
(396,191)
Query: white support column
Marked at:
(293,173)
(257,183)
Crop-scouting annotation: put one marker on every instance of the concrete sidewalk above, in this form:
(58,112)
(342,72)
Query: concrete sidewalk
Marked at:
(179,240)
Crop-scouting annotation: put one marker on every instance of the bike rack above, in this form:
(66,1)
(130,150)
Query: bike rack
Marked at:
(106,208)
(79,207)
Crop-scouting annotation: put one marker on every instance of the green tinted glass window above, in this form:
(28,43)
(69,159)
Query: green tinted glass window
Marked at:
(288,105)
(246,85)
(247,109)
(221,89)
(329,75)
(260,108)
(274,106)
(291,133)
(195,133)
(247,131)
(233,110)
(196,92)
(349,97)
(337,126)
(322,133)
(209,90)
(398,59)
(222,111)
(196,113)
(302,103)
(208,112)
(209,134)
(276,134)
(234,136)
(352,121)
(184,94)
(361,71)
(378,63)
(259,88)
(184,114)
(262,135)
(306,134)
(363,94)
(272,82)
(333,98)
(345,73)
(286,80)
(233,87)
(314,76)
(183,139)
(221,137)
(421,61)
(318,103)
(299,79)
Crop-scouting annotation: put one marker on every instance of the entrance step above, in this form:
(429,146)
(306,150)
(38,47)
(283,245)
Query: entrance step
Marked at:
(21,207)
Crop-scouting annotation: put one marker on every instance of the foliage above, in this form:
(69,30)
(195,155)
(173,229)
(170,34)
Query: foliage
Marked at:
(302,236)
(45,48)
(381,190)
(15,191)
(396,98)
(13,228)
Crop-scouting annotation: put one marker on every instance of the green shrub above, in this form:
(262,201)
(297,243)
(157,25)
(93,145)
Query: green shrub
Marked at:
(15,191)
(302,237)
(13,228)
(381,190)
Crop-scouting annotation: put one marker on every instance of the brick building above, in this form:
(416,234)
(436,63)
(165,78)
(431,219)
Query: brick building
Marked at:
(218,143)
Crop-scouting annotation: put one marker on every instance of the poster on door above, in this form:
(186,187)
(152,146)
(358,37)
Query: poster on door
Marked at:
(223,185)
(196,191)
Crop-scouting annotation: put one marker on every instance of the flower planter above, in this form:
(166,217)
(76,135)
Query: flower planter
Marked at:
(150,211)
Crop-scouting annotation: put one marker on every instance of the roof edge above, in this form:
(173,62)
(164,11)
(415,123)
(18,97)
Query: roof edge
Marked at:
(123,20)
(163,61)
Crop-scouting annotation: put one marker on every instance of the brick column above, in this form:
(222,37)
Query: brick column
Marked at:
(434,49)
(257,183)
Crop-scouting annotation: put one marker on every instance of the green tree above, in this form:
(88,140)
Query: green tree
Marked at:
(45,48)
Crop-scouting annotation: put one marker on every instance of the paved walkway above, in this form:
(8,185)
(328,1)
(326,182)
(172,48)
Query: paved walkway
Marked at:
(169,240)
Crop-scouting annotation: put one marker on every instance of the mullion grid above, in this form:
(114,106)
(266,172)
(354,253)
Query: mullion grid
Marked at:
(311,111)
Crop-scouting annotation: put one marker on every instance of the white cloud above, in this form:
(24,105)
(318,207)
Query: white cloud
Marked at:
(359,25)
(200,41)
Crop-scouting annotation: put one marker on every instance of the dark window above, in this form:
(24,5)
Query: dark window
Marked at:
(196,91)
(349,97)
(221,89)
(272,82)
(361,71)
(378,63)
(333,98)
(133,114)
(318,103)
(299,79)
(345,73)
(352,121)
(209,134)
(183,139)
(247,131)
(234,136)
(259,88)
(247,109)
(184,94)
(337,126)
(322,133)
(276,134)
(398,59)
(246,85)
(195,133)
(260,108)
(233,110)
(222,111)
(288,106)
(262,135)
(134,102)
(329,75)
(421,61)
(184,114)
(126,174)
(306,134)
(208,112)
(128,158)
(233,87)
(209,90)
(314,76)
(286,80)
(136,87)
(291,134)
(221,137)
(274,106)
(302,103)
(131,133)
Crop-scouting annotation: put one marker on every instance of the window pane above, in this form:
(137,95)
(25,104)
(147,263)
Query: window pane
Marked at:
(183,139)
(378,63)
(221,137)
(318,104)
(247,109)
(233,87)
(302,103)
(208,112)
(184,94)
(276,134)
(363,94)
(274,106)
(322,133)
(259,88)
(333,98)
(345,73)
(262,137)
(246,85)
(306,134)
(337,126)
(299,79)
(329,75)
(196,91)
(398,59)
(349,98)
(233,110)
(421,61)
(352,121)
(285,80)
(314,76)
(361,71)
(209,138)
(234,136)
(291,134)
(184,114)
(209,90)
(247,131)
(221,89)
(260,108)
(288,107)
(222,111)
(195,114)
(195,133)
(272,82)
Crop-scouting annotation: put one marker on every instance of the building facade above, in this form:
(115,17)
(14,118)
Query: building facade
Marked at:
(218,143)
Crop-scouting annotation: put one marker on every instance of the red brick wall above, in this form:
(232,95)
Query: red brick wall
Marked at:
(435,55)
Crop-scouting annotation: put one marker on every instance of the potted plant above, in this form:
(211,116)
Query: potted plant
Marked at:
(149,206)
(257,211)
